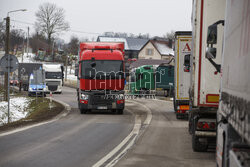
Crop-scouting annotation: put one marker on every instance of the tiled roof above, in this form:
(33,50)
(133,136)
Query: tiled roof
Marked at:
(136,43)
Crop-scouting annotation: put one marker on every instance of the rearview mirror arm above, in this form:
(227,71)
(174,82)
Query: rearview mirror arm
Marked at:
(217,66)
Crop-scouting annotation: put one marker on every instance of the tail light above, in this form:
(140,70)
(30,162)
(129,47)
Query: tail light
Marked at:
(206,126)
(120,101)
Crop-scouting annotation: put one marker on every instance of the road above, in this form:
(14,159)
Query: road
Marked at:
(82,140)
(166,142)
(74,140)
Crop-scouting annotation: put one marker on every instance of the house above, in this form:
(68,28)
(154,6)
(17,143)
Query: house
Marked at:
(132,45)
(158,49)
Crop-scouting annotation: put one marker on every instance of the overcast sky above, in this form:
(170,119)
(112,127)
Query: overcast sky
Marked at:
(156,17)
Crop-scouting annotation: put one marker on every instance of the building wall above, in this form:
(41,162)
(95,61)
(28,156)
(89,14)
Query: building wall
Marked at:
(143,54)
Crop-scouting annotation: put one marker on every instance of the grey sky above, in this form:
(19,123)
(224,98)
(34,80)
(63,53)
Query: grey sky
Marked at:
(155,17)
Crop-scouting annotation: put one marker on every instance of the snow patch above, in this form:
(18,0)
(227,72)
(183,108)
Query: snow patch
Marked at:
(27,58)
(18,109)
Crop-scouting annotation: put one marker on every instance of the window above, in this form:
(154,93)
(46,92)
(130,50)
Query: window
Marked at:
(103,68)
(149,51)
(53,75)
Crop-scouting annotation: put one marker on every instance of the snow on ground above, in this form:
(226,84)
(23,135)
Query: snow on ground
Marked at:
(27,58)
(18,109)
(70,76)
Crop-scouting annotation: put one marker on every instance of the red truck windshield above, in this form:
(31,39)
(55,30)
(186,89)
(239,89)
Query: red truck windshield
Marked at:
(103,69)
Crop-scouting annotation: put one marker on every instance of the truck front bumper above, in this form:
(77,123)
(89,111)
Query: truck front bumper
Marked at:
(100,101)
(101,106)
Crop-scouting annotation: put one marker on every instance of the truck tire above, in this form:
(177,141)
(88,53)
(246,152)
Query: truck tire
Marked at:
(119,111)
(83,111)
(178,116)
(197,146)
(190,122)
(175,107)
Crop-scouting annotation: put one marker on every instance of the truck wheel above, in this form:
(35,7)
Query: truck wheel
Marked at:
(190,119)
(167,94)
(119,111)
(196,145)
(83,111)
(178,116)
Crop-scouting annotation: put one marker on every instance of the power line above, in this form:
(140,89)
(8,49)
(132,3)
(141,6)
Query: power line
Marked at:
(71,30)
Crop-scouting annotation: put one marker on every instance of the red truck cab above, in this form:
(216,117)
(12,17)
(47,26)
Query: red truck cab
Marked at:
(101,77)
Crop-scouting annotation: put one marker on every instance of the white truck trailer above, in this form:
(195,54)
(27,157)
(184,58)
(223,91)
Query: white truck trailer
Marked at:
(205,73)
(53,77)
(233,132)
(182,73)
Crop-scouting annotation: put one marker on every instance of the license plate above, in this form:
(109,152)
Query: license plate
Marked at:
(184,107)
(102,107)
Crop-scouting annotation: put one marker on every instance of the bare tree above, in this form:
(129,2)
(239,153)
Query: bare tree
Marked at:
(38,42)
(73,45)
(169,35)
(2,34)
(50,20)
(16,39)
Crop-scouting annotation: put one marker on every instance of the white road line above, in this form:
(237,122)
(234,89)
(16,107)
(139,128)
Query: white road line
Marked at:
(127,141)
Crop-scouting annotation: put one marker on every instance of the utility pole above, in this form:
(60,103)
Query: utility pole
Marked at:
(23,45)
(27,50)
(7,41)
(7,77)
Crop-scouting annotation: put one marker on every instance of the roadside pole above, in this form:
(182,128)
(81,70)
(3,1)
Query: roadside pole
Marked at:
(43,83)
(7,41)
(36,84)
(50,99)
(66,64)
(7,94)
(8,88)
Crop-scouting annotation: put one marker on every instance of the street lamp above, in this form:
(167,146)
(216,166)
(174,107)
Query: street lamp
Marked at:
(19,10)
(7,40)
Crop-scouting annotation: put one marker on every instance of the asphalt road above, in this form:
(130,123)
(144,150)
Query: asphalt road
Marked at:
(74,140)
(166,142)
(82,140)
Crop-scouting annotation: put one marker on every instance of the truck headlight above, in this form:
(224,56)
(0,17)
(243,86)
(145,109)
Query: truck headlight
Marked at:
(30,89)
(84,96)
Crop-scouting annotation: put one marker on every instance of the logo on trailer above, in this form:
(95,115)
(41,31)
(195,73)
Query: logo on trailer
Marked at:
(186,49)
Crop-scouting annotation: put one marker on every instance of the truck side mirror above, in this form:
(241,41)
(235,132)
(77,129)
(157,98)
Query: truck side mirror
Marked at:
(187,60)
(76,69)
(211,53)
(212,34)
(187,63)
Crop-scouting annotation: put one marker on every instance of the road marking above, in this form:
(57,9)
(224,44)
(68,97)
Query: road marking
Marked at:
(121,149)
(67,107)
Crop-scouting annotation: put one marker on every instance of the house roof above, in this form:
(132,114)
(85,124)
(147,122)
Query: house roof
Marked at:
(142,62)
(136,43)
(162,47)
(130,43)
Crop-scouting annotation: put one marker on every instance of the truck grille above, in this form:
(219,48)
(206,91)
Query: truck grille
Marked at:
(100,99)
(53,83)
(52,88)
